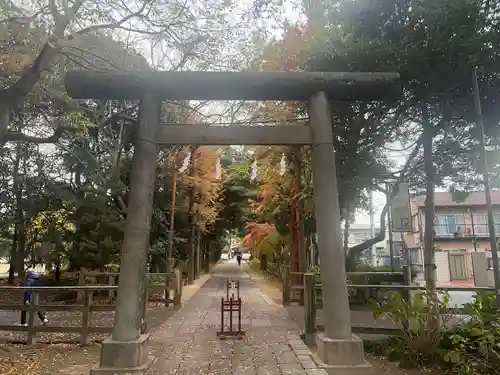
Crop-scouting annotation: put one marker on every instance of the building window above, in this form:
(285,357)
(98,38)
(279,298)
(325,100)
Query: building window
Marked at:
(480,225)
(449,225)
(496,220)
(416,256)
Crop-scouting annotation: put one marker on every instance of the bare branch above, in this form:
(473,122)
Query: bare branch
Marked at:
(117,24)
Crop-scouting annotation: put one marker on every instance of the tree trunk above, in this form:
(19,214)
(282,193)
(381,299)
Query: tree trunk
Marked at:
(315,249)
(299,222)
(21,244)
(346,236)
(206,264)
(192,213)
(13,255)
(75,257)
(20,219)
(294,254)
(198,252)
(429,256)
(263,262)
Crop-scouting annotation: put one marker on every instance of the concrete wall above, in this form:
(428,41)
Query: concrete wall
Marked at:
(443,268)
(483,275)
(465,244)
(480,266)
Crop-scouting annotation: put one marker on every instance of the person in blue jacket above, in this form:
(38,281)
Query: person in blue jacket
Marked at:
(32,280)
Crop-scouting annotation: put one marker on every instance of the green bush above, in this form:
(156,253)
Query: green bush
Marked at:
(432,337)
(421,319)
(362,296)
(473,348)
(358,296)
(382,277)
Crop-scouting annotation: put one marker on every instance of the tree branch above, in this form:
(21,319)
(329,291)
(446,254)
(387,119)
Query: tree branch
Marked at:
(404,172)
(117,24)
(372,241)
(353,251)
(20,136)
(15,94)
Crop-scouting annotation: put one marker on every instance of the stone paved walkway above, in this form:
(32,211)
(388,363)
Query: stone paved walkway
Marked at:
(187,344)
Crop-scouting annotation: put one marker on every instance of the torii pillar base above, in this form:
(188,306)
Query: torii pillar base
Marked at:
(342,357)
(124,357)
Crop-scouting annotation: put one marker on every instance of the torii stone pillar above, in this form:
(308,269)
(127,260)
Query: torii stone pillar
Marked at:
(341,352)
(126,350)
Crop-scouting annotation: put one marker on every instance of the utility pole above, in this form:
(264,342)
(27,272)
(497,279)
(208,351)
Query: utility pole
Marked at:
(389,230)
(487,189)
(372,228)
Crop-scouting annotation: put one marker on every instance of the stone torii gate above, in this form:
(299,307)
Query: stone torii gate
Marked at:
(126,350)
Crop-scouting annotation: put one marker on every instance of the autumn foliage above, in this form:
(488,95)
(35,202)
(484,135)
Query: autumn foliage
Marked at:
(281,196)
(262,238)
(255,232)
(200,176)
(207,185)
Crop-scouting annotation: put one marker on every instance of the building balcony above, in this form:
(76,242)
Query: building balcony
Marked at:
(463,231)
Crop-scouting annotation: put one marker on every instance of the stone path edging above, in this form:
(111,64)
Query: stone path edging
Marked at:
(305,356)
(188,291)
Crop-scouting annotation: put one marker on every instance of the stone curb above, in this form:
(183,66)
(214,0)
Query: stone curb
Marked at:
(304,355)
(189,291)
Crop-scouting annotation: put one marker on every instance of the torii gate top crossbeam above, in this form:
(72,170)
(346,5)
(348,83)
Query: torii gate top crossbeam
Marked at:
(261,86)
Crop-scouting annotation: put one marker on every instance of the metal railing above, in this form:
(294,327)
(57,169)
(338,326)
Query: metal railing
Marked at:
(313,302)
(293,283)
(463,230)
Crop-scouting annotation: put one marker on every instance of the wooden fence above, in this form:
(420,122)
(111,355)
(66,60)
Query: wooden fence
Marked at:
(293,283)
(86,308)
(84,304)
(313,302)
(164,282)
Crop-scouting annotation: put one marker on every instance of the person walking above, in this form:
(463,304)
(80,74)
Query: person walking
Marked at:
(238,258)
(32,280)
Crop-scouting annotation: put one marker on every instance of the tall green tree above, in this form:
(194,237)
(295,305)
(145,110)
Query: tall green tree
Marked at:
(433,45)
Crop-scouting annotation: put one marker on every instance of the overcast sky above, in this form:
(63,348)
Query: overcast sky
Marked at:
(379,199)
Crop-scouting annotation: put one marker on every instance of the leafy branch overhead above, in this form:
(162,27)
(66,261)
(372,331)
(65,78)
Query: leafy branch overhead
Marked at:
(74,157)
(43,38)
